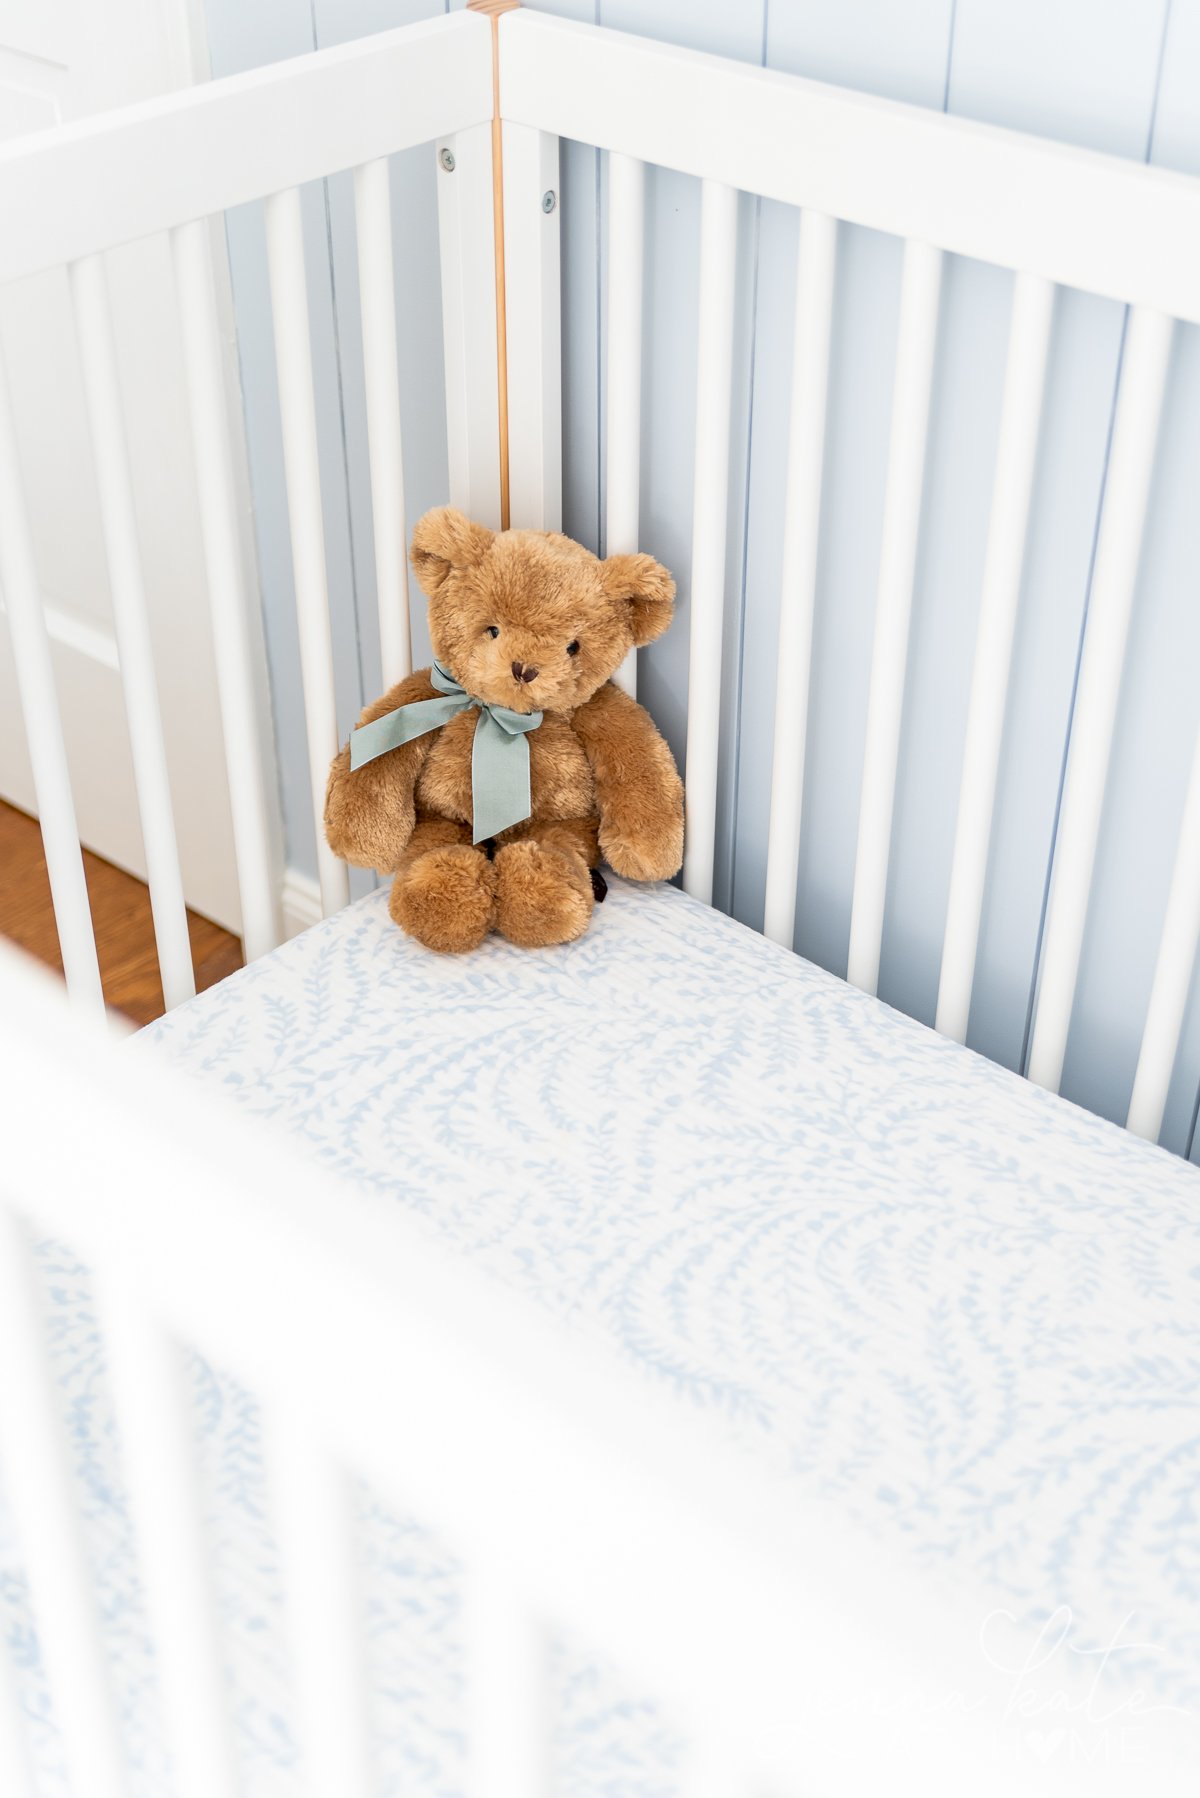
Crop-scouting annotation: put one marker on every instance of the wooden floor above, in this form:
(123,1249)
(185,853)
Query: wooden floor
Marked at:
(120,912)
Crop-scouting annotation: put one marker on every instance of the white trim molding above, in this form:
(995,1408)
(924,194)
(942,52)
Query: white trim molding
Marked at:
(299,902)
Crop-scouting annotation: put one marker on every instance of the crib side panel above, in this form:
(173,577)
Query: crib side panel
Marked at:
(575,1498)
(1058,219)
(77,192)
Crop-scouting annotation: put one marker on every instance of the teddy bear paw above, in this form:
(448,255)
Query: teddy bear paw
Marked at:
(656,859)
(445,898)
(543,896)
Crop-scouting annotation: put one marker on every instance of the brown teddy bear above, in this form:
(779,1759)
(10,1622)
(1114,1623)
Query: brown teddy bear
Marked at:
(491,784)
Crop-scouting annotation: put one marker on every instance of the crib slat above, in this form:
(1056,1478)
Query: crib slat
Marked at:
(377,297)
(158,1455)
(244,730)
(298,417)
(1118,550)
(43,725)
(507,1737)
(915,349)
(710,503)
(1012,491)
(322,1591)
(1172,973)
(798,580)
(93,325)
(16,1766)
(39,1483)
(533,326)
(623,422)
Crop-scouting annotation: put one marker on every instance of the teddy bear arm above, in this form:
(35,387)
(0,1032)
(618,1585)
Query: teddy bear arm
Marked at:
(370,811)
(639,794)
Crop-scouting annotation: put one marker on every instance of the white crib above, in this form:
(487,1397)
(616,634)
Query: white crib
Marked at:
(780,1633)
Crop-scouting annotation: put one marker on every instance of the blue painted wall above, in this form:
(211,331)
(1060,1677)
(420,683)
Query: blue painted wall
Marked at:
(1118,75)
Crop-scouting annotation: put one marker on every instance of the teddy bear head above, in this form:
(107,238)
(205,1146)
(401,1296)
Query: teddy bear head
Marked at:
(529,619)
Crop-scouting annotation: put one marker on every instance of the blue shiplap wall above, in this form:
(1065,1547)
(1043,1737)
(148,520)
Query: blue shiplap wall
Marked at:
(1118,75)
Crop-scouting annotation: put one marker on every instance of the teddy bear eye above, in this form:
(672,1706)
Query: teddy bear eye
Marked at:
(573,647)
(493,630)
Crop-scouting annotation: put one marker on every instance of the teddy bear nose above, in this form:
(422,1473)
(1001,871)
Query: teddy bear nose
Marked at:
(524,671)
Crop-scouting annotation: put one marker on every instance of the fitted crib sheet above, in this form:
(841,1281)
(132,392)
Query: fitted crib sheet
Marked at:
(914,1284)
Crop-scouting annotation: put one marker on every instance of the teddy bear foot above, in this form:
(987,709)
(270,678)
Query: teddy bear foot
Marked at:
(543,896)
(445,898)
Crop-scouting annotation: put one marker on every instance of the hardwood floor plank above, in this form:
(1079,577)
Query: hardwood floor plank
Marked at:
(122,918)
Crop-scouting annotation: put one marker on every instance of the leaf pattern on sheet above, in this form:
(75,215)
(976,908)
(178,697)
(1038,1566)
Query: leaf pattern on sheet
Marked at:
(959,1306)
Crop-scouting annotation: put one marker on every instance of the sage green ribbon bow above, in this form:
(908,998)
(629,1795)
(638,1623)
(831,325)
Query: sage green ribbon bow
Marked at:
(499,751)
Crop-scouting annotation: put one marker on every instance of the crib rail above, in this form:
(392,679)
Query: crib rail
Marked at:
(573,1497)
(1077,217)
(1054,215)
(80,189)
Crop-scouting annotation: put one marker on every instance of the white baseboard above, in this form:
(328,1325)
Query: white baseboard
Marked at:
(300,900)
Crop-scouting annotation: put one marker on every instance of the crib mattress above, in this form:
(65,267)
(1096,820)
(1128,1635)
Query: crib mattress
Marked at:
(913,1283)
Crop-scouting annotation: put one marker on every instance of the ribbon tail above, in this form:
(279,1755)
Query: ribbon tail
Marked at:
(401,726)
(500,794)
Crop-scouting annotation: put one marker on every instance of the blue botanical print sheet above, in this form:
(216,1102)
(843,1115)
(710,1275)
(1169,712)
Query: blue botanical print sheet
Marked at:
(908,1281)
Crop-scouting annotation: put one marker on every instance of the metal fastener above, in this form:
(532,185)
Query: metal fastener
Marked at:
(446,158)
(549,200)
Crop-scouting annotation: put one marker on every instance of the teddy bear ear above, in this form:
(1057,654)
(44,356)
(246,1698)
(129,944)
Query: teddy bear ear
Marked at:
(444,539)
(645,587)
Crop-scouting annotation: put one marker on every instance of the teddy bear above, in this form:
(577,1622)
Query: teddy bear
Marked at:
(490,785)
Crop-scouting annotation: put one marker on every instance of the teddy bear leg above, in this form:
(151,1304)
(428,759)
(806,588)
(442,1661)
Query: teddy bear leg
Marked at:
(444,890)
(544,889)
